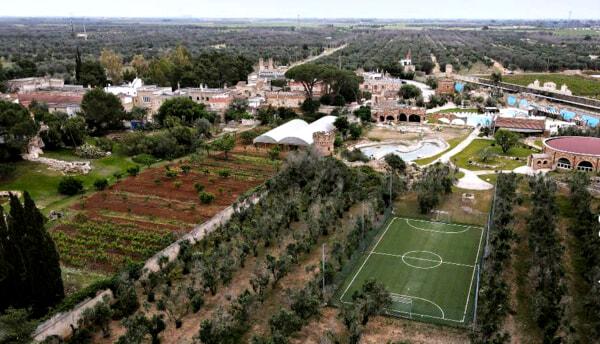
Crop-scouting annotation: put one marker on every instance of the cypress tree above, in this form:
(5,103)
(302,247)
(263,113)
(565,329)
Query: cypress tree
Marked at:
(44,263)
(16,238)
(29,267)
(6,270)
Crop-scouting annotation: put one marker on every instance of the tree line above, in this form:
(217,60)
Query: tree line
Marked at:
(546,271)
(311,190)
(585,229)
(494,293)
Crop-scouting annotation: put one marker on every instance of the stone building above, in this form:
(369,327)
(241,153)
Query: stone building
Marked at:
(57,101)
(445,86)
(286,99)
(398,114)
(323,142)
(33,84)
(568,153)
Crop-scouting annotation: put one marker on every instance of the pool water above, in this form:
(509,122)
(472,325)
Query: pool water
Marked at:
(426,149)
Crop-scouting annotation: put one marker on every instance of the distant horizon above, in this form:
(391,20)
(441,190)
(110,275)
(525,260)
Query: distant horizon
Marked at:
(312,9)
(301,18)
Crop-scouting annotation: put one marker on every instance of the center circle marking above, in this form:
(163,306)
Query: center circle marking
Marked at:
(407,256)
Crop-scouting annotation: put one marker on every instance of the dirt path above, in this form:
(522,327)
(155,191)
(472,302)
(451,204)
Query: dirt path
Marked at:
(327,52)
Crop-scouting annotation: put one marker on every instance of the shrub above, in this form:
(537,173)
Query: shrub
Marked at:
(171,174)
(126,301)
(145,159)
(100,184)
(104,143)
(89,151)
(224,173)
(206,197)
(199,187)
(354,155)
(133,171)
(70,186)
(197,303)
(274,153)
(186,169)
(6,170)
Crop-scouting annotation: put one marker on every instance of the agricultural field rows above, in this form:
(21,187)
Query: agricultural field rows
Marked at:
(139,215)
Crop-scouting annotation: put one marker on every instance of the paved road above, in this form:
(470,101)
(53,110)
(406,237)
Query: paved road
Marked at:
(449,154)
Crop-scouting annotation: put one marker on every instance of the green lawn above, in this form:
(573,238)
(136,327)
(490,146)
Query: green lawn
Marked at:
(472,153)
(42,183)
(451,144)
(428,268)
(490,178)
(580,86)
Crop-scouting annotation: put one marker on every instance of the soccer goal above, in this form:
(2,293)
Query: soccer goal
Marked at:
(401,306)
(441,216)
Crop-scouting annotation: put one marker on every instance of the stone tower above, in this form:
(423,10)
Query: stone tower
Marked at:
(323,142)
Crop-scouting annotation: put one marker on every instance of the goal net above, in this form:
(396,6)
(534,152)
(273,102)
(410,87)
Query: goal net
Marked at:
(441,216)
(401,306)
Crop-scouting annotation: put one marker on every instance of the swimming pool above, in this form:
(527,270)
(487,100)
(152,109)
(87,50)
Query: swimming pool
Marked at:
(423,149)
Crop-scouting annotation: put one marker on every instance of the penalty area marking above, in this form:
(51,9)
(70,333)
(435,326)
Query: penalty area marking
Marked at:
(467,228)
(426,300)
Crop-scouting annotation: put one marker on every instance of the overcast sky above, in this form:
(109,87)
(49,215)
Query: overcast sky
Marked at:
(393,9)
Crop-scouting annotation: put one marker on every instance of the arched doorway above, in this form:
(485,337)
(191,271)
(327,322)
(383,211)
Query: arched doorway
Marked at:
(402,117)
(564,163)
(389,118)
(414,118)
(585,166)
(381,118)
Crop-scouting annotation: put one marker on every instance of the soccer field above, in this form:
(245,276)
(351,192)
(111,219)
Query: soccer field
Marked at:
(429,268)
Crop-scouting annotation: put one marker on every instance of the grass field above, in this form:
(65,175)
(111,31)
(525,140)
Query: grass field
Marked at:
(42,183)
(580,86)
(428,267)
(499,159)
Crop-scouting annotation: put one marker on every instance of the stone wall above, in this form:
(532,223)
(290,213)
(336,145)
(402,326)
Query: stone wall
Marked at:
(76,167)
(60,324)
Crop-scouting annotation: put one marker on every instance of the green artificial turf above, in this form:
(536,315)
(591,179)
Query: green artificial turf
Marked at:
(429,268)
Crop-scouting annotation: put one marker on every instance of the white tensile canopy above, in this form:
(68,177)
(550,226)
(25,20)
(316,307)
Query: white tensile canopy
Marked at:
(297,132)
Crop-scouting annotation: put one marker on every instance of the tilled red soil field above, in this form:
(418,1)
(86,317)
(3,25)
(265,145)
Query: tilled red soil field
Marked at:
(139,215)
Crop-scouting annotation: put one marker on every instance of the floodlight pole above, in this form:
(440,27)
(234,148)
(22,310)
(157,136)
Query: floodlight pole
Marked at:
(323,272)
(363,217)
(476,300)
(391,179)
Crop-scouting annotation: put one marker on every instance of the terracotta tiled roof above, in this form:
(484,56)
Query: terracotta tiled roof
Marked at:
(520,123)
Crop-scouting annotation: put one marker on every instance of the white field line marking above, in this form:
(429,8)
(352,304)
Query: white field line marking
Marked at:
(413,313)
(436,231)
(369,256)
(424,259)
(423,299)
(472,277)
(438,222)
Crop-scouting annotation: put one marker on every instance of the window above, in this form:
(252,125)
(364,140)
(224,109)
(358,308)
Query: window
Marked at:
(146,99)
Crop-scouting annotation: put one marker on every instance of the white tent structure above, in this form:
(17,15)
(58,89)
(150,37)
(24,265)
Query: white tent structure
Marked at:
(297,132)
